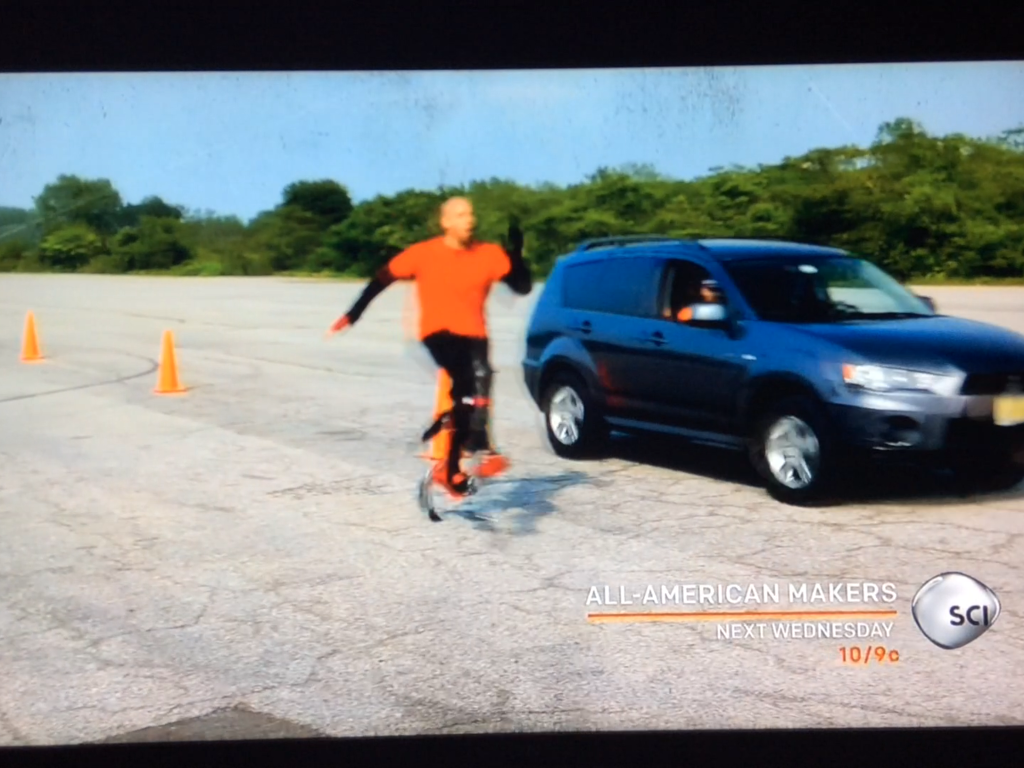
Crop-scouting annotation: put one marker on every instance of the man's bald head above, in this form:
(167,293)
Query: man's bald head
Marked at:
(457,221)
(454,204)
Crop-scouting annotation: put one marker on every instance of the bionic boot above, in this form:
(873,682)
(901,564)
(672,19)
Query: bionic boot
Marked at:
(456,484)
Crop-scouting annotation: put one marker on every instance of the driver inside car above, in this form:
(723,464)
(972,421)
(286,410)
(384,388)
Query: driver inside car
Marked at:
(710,293)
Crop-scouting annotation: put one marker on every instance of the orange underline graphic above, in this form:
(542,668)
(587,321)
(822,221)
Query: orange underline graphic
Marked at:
(740,616)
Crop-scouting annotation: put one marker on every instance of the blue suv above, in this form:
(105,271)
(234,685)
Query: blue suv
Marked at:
(804,356)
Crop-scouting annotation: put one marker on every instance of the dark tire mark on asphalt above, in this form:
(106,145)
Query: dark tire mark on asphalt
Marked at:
(152,369)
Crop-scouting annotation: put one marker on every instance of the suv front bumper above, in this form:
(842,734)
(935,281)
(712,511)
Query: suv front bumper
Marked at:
(921,423)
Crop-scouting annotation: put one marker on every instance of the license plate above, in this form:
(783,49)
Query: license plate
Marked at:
(1008,411)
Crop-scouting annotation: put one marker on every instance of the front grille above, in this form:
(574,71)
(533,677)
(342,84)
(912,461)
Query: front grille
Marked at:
(991,383)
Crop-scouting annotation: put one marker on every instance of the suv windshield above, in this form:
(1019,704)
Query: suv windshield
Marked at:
(822,290)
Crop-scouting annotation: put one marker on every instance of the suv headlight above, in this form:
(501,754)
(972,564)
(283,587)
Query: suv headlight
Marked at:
(880,378)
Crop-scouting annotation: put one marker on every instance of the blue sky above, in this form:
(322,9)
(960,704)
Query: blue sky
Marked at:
(231,142)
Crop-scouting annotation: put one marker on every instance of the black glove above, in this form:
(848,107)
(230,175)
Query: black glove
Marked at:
(514,239)
(518,278)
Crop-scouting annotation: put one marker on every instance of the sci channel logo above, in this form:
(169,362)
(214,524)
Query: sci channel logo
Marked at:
(954,609)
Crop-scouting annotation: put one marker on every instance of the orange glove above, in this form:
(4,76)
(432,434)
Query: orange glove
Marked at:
(339,325)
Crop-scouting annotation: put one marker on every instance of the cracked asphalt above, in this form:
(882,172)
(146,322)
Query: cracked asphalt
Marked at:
(254,546)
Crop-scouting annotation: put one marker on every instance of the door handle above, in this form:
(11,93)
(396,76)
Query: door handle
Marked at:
(657,338)
(583,327)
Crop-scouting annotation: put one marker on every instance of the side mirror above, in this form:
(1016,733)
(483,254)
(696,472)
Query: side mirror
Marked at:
(929,302)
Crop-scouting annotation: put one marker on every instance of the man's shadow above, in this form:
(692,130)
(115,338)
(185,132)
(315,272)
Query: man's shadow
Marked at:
(517,503)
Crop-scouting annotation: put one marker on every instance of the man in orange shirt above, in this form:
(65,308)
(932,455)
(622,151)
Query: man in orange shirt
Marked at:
(454,274)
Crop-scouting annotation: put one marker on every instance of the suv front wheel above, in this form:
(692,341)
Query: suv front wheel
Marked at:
(792,449)
(574,427)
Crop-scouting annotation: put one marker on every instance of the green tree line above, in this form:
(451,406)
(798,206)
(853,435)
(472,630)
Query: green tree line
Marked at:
(920,206)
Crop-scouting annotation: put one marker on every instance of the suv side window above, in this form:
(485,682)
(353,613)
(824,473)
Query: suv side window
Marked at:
(582,286)
(616,285)
(680,287)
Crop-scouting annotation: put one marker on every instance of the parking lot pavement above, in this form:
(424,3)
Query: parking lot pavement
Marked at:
(254,545)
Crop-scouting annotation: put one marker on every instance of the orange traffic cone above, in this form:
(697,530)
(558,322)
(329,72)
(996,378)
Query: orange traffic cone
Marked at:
(439,444)
(30,342)
(167,377)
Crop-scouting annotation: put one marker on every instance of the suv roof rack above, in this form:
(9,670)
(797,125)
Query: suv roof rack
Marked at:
(610,242)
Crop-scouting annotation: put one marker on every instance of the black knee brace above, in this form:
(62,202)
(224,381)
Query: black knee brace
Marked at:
(481,405)
(461,420)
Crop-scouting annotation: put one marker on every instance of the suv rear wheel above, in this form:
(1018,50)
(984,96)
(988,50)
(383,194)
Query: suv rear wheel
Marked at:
(793,450)
(574,427)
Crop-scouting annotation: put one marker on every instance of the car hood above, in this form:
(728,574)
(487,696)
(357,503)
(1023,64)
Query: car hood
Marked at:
(928,343)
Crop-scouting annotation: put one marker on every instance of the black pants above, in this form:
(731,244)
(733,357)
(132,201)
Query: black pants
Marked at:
(465,360)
